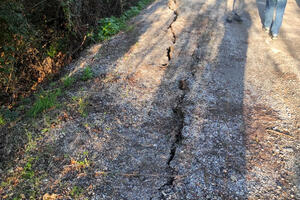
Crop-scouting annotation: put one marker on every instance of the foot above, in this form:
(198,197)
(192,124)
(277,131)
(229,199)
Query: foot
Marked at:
(229,19)
(237,18)
(266,29)
(274,36)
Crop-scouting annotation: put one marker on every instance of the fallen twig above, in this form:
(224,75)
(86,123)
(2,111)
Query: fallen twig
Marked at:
(279,133)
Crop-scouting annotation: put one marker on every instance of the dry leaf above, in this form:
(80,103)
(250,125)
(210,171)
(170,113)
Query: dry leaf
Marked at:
(50,197)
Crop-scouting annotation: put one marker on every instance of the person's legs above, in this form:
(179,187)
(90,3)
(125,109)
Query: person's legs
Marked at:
(269,13)
(238,7)
(281,4)
(236,11)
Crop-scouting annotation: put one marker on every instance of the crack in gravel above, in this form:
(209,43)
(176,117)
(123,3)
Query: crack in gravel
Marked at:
(177,110)
(172,6)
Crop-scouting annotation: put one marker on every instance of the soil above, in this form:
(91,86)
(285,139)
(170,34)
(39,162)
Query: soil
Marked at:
(183,106)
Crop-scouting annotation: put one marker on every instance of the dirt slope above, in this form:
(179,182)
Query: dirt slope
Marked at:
(184,106)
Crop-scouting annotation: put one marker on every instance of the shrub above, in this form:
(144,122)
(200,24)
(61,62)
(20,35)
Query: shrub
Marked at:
(37,37)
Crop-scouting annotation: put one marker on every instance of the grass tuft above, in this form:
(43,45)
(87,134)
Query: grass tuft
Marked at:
(68,81)
(44,101)
(82,107)
(87,74)
(76,192)
(2,121)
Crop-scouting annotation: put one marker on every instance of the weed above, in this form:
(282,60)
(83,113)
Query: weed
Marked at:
(68,81)
(45,130)
(85,153)
(76,191)
(31,143)
(75,98)
(84,163)
(52,50)
(2,121)
(55,48)
(28,173)
(82,107)
(44,101)
(87,74)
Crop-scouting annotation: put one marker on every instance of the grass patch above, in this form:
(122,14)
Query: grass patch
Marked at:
(2,121)
(68,81)
(28,172)
(45,101)
(82,107)
(76,192)
(113,25)
(87,74)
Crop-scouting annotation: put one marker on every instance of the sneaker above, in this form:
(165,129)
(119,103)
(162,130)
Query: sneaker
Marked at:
(237,18)
(229,19)
(274,37)
(266,29)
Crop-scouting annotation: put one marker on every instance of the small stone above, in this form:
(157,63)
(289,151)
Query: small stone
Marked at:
(290,150)
(233,178)
(45,180)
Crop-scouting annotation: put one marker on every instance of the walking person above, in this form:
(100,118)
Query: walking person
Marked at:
(276,7)
(236,11)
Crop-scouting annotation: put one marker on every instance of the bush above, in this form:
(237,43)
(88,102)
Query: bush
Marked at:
(37,37)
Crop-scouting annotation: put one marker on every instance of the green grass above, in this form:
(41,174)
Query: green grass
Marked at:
(68,81)
(113,25)
(45,101)
(28,172)
(87,74)
(82,103)
(2,121)
(76,191)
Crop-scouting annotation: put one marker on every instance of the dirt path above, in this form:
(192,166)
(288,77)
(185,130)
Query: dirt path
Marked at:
(184,106)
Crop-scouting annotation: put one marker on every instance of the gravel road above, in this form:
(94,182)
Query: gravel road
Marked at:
(184,106)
